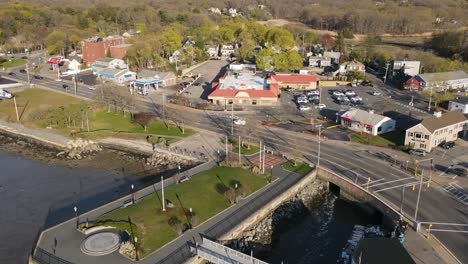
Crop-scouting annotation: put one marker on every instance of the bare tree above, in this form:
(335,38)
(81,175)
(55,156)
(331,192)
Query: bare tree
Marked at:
(143,119)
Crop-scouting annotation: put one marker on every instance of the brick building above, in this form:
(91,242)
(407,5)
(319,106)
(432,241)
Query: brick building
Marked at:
(119,51)
(96,48)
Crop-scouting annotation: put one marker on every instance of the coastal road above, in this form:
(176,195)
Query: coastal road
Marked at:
(349,159)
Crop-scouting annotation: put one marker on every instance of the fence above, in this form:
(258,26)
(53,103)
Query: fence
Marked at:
(180,255)
(44,257)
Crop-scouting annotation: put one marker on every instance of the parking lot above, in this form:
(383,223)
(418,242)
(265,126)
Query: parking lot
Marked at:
(210,71)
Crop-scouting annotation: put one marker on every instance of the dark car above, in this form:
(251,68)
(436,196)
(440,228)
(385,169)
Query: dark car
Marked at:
(447,145)
(197,84)
(66,86)
(22,71)
(24,58)
(11,73)
(38,77)
(461,172)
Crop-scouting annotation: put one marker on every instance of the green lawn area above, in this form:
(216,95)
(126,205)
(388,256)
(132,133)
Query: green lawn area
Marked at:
(246,149)
(12,63)
(300,167)
(389,140)
(202,193)
(32,102)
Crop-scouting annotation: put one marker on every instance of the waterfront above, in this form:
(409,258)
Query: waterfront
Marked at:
(34,195)
(319,235)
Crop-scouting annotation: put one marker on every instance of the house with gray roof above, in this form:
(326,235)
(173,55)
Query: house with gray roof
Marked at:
(435,130)
(118,76)
(459,104)
(438,81)
(367,122)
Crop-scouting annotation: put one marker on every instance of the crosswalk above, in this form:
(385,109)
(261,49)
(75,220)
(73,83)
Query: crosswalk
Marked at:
(457,192)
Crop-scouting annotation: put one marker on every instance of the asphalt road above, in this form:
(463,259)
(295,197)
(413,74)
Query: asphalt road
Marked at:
(349,159)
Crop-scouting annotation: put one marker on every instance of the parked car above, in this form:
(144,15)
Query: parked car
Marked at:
(38,77)
(447,145)
(4,94)
(376,93)
(24,57)
(320,106)
(367,83)
(66,86)
(11,73)
(239,121)
(92,87)
(353,84)
(417,152)
(461,172)
(336,94)
(350,93)
(313,93)
(302,100)
(22,71)
(197,84)
(313,98)
(304,107)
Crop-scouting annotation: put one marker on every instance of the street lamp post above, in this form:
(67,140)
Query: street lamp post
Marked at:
(190,212)
(133,194)
(162,192)
(419,195)
(76,215)
(318,153)
(402,200)
(135,239)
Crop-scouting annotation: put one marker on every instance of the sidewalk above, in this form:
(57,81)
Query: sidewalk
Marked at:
(423,251)
(36,134)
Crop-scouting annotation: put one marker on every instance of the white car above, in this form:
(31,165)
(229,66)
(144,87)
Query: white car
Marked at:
(343,98)
(338,94)
(5,94)
(239,122)
(356,99)
(353,84)
(304,107)
(311,93)
(92,87)
(376,93)
(301,100)
(320,106)
(350,93)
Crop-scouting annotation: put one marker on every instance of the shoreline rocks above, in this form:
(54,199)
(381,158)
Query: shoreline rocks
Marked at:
(288,213)
(78,148)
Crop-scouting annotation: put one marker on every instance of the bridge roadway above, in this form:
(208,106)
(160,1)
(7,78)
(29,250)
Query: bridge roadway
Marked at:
(354,161)
(220,254)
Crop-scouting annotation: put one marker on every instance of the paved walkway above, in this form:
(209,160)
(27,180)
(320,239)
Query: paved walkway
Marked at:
(64,240)
(42,135)
(422,250)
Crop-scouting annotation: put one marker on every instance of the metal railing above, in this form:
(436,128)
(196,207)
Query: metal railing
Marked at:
(44,257)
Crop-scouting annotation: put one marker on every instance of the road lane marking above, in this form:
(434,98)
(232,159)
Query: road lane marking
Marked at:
(387,182)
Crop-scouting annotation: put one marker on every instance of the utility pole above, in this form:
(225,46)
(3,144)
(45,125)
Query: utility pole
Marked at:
(239,150)
(318,154)
(164,102)
(430,101)
(260,156)
(430,175)
(16,109)
(419,195)
(263,163)
(232,119)
(227,149)
(27,72)
(75,83)
(402,200)
(162,192)
(386,71)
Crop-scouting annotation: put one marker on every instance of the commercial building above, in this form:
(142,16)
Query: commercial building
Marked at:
(459,104)
(367,122)
(119,51)
(96,48)
(242,85)
(108,63)
(147,79)
(118,76)
(407,67)
(435,130)
(439,81)
(297,81)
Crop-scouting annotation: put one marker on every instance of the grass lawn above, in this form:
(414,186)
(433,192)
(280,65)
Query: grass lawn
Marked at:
(245,148)
(102,124)
(300,168)
(12,63)
(31,101)
(201,193)
(389,140)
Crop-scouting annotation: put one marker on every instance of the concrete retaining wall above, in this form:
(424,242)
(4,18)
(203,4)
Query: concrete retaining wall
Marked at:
(237,231)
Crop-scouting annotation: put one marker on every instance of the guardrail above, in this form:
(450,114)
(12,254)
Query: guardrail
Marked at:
(44,257)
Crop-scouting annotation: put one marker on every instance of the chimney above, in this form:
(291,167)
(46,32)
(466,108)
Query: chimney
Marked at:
(438,114)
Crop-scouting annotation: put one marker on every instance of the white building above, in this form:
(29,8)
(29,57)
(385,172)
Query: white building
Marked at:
(408,67)
(108,63)
(333,55)
(367,122)
(460,103)
(212,50)
(228,49)
(118,76)
(74,66)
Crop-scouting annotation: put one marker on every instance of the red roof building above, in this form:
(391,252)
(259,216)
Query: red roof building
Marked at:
(297,81)
(244,88)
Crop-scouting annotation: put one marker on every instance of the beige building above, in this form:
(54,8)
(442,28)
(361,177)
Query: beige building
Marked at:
(435,130)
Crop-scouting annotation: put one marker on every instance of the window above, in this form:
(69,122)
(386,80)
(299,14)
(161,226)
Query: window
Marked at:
(379,129)
(426,136)
(418,135)
(230,101)
(410,134)
(422,145)
(445,130)
(254,102)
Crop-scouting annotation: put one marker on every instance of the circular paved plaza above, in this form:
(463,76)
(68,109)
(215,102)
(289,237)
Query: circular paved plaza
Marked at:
(100,244)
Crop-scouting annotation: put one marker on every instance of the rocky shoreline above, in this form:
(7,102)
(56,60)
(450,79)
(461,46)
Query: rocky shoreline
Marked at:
(88,154)
(263,235)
